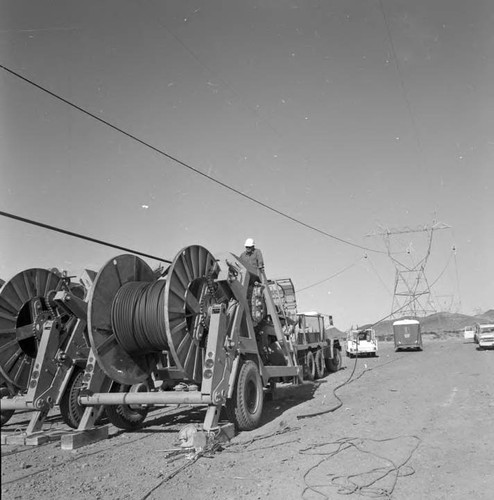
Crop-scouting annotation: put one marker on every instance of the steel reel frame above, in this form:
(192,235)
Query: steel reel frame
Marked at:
(26,291)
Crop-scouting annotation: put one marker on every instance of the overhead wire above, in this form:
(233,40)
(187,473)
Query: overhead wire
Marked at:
(184,164)
(196,58)
(402,84)
(81,236)
(378,275)
(330,277)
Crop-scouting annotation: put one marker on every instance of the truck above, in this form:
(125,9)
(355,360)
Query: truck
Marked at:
(315,348)
(484,335)
(361,342)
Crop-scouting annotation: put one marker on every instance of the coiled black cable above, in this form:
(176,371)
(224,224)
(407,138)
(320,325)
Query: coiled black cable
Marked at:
(138,317)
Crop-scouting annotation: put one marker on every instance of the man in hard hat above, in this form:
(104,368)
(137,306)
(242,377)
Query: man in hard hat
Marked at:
(252,256)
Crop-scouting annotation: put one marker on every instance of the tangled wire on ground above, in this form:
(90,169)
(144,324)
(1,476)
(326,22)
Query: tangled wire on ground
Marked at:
(364,483)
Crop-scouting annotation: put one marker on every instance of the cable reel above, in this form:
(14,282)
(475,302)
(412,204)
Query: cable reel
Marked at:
(133,316)
(24,306)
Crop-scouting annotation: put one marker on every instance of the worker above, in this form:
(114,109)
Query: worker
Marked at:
(252,256)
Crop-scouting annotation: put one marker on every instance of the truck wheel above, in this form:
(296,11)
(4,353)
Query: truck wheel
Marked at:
(309,367)
(320,364)
(127,417)
(70,409)
(244,409)
(334,364)
(5,415)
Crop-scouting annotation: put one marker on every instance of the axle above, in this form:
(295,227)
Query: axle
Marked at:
(145,398)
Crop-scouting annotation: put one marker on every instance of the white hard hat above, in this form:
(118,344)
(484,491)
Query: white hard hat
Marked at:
(249,242)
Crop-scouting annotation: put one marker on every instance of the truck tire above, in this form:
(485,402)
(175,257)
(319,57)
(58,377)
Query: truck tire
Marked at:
(334,364)
(127,417)
(320,364)
(244,409)
(309,366)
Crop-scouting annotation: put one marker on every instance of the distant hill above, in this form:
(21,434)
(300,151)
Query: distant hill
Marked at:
(438,324)
(334,333)
(488,316)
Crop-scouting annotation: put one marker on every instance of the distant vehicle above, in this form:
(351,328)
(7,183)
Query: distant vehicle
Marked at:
(484,335)
(316,351)
(407,334)
(469,332)
(361,342)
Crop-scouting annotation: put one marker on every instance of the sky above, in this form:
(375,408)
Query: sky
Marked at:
(345,117)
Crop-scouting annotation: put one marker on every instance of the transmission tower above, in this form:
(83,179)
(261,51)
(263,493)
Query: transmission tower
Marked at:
(412,292)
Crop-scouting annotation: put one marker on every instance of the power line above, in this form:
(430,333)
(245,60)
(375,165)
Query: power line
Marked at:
(402,85)
(185,165)
(330,277)
(82,237)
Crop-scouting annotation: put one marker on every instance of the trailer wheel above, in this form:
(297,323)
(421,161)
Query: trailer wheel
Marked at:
(127,417)
(334,364)
(309,366)
(70,409)
(5,415)
(244,409)
(320,364)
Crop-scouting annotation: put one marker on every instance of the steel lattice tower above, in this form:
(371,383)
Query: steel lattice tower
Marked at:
(412,292)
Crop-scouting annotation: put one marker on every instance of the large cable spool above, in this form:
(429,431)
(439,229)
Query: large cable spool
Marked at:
(120,365)
(133,317)
(23,305)
(189,292)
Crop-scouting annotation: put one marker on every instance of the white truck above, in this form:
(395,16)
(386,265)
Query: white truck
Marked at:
(484,335)
(361,342)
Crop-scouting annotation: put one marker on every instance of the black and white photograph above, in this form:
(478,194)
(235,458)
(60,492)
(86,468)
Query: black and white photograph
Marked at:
(245,249)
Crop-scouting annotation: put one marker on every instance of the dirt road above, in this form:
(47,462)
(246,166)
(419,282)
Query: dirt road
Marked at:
(412,425)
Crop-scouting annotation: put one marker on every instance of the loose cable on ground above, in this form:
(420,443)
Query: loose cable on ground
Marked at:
(362,483)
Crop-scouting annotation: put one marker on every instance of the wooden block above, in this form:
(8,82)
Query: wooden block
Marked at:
(15,439)
(82,438)
(227,433)
(39,438)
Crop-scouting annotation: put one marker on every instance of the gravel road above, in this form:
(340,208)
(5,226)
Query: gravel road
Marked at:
(410,425)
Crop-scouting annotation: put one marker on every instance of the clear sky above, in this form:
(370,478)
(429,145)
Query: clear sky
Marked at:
(348,115)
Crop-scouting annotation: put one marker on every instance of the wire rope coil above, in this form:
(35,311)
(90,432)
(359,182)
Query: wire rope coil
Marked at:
(137,317)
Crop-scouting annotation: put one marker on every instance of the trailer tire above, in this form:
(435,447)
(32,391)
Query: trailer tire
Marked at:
(70,409)
(126,417)
(334,364)
(244,409)
(5,415)
(320,364)
(309,366)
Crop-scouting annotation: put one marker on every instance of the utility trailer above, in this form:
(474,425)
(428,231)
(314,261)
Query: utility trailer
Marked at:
(215,319)
(407,335)
(225,328)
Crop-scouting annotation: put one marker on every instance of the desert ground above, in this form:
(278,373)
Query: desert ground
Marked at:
(403,425)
